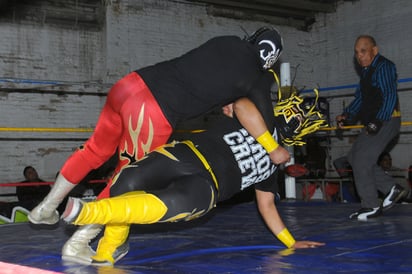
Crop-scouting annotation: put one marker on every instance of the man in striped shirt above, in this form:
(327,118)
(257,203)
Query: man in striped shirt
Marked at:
(376,106)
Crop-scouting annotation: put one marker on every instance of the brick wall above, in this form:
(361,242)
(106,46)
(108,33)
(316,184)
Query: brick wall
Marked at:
(56,73)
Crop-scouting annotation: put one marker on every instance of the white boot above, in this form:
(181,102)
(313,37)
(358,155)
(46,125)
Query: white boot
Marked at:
(45,212)
(77,248)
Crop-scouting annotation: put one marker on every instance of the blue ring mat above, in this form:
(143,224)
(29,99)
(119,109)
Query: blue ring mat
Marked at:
(234,239)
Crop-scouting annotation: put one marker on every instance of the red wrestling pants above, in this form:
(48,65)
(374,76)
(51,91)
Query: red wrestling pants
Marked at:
(131,121)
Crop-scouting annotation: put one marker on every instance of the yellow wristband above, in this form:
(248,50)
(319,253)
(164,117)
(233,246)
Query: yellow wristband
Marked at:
(285,237)
(267,141)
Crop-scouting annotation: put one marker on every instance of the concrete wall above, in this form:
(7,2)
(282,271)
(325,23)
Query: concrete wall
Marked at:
(55,70)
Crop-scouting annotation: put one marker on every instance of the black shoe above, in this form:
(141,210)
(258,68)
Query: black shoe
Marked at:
(396,193)
(364,214)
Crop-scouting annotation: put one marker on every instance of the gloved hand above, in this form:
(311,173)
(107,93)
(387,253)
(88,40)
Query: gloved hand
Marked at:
(373,127)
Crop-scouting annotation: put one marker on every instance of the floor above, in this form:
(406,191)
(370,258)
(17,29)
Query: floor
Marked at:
(233,239)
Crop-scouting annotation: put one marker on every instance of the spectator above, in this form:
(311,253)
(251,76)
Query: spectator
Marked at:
(385,162)
(408,196)
(30,196)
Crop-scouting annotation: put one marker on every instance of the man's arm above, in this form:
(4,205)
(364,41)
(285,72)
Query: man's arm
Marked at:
(386,77)
(269,212)
(251,119)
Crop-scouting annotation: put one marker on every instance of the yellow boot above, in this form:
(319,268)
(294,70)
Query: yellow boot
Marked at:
(136,207)
(112,246)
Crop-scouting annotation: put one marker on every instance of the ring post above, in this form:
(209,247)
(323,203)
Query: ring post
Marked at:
(290,182)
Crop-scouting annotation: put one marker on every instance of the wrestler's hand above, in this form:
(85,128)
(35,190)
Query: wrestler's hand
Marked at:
(307,244)
(279,156)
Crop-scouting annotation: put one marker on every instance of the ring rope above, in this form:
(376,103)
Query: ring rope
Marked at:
(359,126)
(44,183)
(44,129)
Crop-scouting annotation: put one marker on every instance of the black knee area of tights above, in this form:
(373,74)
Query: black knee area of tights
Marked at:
(191,194)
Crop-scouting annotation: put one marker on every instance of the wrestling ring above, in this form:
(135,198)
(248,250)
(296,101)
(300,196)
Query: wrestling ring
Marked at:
(231,239)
